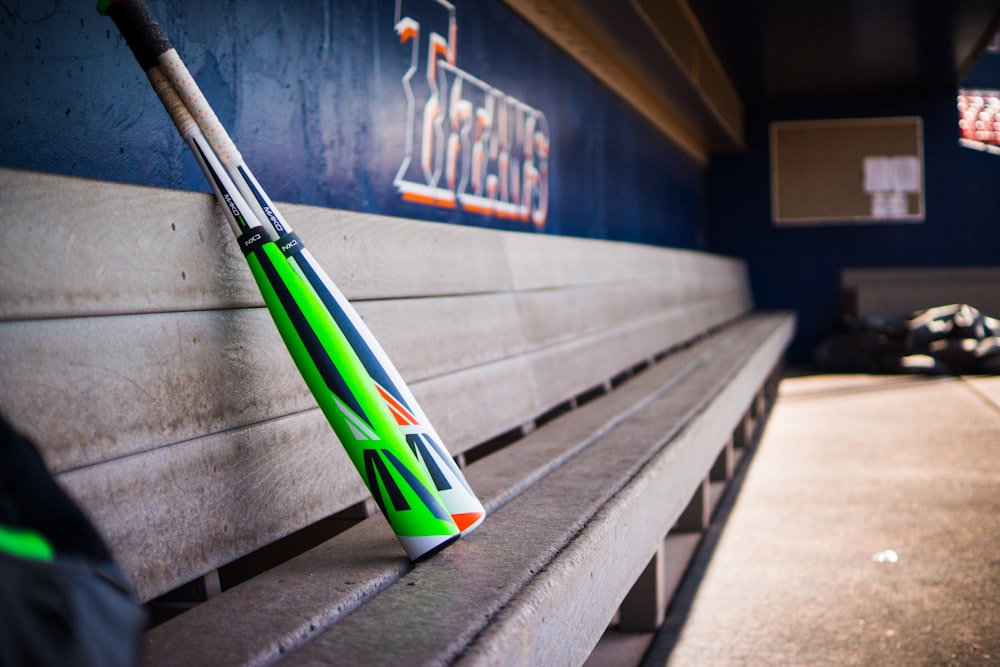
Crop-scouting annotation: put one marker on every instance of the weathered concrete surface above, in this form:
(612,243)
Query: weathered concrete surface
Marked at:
(851,467)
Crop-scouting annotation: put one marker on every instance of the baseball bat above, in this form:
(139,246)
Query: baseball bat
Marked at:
(456,494)
(402,487)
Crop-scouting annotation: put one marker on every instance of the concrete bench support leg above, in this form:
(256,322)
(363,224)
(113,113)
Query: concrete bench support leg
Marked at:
(722,470)
(644,608)
(696,515)
(744,432)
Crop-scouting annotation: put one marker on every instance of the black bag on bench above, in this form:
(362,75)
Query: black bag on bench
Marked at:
(956,338)
(62,601)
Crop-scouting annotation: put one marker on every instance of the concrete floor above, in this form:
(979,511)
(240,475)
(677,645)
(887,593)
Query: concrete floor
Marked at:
(866,532)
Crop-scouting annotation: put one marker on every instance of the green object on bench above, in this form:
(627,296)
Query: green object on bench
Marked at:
(25,544)
(425,508)
(348,397)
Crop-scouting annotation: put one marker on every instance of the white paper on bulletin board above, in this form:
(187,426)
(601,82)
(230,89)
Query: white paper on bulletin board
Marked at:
(899,173)
(907,173)
(888,205)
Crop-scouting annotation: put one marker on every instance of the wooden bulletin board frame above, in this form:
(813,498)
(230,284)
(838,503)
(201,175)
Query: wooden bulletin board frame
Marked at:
(818,171)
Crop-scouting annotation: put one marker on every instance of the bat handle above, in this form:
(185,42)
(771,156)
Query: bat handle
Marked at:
(185,123)
(141,30)
(150,46)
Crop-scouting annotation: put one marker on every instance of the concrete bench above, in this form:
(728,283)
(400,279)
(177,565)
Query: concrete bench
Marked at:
(596,393)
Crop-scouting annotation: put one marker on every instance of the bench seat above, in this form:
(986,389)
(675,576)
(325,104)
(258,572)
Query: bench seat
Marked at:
(592,390)
(576,510)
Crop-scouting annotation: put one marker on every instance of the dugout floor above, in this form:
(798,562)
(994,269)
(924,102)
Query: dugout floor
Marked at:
(866,531)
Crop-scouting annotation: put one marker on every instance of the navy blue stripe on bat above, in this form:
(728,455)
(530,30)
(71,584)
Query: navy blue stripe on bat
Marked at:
(368,358)
(422,492)
(378,478)
(324,364)
(419,447)
(226,195)
(259,196)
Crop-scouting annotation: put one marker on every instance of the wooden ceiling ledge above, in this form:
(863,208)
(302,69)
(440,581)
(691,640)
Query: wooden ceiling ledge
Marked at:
(654,54)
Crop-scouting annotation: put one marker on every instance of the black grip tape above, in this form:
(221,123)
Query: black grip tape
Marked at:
(252,239)
(290,244)
(141,31)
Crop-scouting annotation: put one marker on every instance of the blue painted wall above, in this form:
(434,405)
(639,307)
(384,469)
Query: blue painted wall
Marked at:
(799,268)
(312,93)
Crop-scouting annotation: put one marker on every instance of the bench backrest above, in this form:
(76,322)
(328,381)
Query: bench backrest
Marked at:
(136,353)
(893,292)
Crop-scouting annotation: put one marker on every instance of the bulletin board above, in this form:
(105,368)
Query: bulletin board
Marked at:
(855,170)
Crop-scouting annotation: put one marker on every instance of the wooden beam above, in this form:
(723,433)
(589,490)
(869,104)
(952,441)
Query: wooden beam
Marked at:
(566,26)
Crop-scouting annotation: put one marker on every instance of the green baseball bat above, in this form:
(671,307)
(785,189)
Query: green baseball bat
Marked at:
(400,483)
(456,494)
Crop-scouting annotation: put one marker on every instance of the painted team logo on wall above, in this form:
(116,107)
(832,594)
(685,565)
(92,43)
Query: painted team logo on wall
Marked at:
(468,145)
